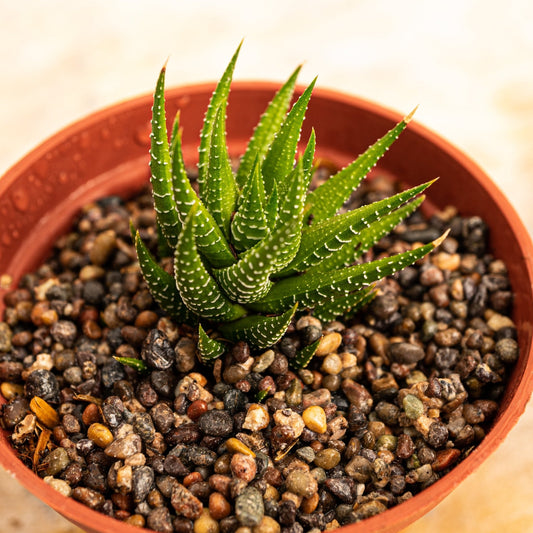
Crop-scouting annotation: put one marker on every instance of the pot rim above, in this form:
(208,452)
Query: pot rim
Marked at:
(412,507)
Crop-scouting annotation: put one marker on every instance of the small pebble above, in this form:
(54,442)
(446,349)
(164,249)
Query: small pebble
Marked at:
(267,525)
(302,483)
(216,423)
(124,447)
(332,364)
(58,484)
(328,344)
(327,458)
(100,435)
(206,523)
(264,361)
(257,417)
(219,507)
(236,446)
(249,508)
(405,353)
(314,418)
(57,461)
(185,503)
(243,467)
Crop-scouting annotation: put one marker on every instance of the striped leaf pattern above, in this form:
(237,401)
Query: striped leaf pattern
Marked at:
(254,246)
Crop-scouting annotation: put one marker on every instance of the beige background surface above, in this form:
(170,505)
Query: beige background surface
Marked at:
(469,64)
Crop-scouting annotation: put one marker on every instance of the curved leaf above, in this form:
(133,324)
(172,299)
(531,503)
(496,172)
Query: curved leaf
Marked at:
(164,204)
(259,331)
(249,225)
(161,284)
(304,356)
(344,305)
(208,349)
(352,250)
(198,290)
(210,240)
(220,196)
(311,289)
(309,157)
(132,362)
(379,229)
(319,241)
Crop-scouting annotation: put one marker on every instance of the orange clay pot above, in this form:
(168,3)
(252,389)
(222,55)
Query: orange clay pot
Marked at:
(107,153)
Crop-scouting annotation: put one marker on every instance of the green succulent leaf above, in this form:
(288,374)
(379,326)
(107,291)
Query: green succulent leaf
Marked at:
(259,331)
(161,284)
(198,290)
(353,250)
(208,349)
(327,199)
(280,157)
(221,190)
(218,100)
(250,225)
(309,157)
(165,206)
(344,305)
(320,241)
(175,131)
(304,356)
(136,364)
(291,203)
(267,128)
(249,279)
(210,240)
(163,248)
(379,229)
(240,246)
(271,207)
(313,288)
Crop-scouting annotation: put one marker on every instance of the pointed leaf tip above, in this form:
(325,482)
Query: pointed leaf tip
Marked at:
(409,116)
(441,239)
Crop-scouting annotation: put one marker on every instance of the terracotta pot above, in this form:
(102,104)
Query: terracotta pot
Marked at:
(107,153)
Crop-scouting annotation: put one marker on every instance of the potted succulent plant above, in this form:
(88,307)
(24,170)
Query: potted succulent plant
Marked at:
(244,256)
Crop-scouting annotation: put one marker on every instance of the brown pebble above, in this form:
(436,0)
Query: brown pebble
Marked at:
(100,435)
(310,504)
(196,409)
(328,344)
(103,246)
(88,497)
(185,503)
(243,467)
(146,319)
(193,477)
(91,414)
(124,446)
(218,506)
(220,483)
(445,459)
(358,395)
(136,520)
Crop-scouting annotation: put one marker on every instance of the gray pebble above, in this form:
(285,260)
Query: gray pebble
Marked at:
(249,508)
(405,352)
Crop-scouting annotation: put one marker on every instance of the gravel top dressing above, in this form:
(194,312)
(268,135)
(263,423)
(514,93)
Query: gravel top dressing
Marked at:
(394,398)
